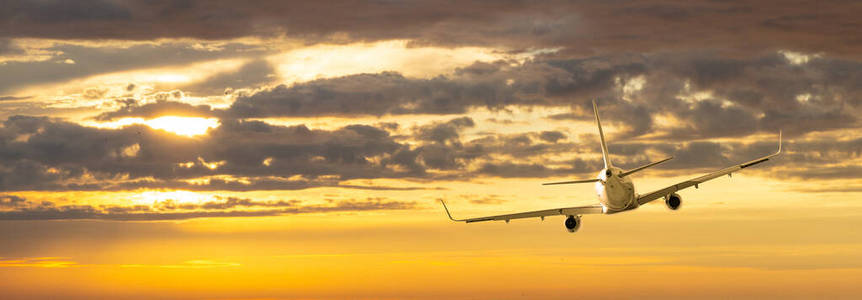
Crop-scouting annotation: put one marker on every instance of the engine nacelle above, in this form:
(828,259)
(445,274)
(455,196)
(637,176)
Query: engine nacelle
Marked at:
(573,223)
(673,201)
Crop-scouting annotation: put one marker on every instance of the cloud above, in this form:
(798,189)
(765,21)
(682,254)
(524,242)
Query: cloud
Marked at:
(552,136)
(11,201)
(95,60)
(13,98)
(703,95)
(579,27)
(190,264)
(37,262)
(250,75)
(742,95)
(157,109)
(49,152)
(169,210)
(53,11)
(480,85)
(241,155)
(7,47)
(508,170)
(361,94)
(443,132)
(38,153)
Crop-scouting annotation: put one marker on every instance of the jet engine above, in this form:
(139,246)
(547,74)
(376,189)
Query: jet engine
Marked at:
(573,223)
(673,201)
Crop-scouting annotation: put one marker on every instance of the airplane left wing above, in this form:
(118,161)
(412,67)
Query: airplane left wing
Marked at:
(645,198)
(569,211)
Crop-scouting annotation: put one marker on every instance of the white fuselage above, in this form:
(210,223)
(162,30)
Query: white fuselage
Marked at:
(615,193)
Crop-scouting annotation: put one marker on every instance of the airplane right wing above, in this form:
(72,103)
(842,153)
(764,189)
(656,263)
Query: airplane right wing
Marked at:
(569,211)
(645,198)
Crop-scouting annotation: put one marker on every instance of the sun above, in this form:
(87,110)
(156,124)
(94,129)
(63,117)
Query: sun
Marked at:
(187,126)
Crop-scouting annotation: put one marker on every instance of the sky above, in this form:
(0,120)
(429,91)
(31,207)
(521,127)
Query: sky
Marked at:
(299,150)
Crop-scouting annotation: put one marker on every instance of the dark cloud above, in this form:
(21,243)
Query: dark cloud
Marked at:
(580,27)
(226,19)
(568,116)
(61,12)
(54,151)
(496,86)
(219,184)
(371,94)
(508,169)
(520,145)
(797,159)
(710,117)
(744,96)
(7,47)
(13,98)
(38,153)
(11,201)
(170,210)
(251,74)
(157,109)
(552,136)
(91,60)
(443,132)
(446,150)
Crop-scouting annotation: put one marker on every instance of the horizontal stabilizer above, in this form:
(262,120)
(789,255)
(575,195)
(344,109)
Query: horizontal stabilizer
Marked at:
(629,172)
(573,181)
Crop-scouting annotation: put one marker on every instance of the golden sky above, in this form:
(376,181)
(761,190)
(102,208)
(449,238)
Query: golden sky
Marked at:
(280,150)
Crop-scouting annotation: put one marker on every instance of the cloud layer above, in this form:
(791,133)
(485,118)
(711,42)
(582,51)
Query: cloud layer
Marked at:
(696,80)
(171,210)
(812,26)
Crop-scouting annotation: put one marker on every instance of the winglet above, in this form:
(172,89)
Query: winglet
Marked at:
(605,154)
(447,212)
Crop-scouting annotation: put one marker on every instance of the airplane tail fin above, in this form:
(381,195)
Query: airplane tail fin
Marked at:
(605,153)
(605,157)
(629,172)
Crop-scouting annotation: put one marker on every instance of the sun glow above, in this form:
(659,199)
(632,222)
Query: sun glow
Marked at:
(186,126)
(179,197)
(329,60)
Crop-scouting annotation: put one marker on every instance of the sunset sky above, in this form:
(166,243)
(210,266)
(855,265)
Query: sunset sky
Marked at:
(298,150)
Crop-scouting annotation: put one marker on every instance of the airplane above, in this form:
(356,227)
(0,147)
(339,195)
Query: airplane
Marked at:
(615,190)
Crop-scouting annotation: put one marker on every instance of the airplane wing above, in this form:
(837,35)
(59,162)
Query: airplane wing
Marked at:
(578,210)
(645,198)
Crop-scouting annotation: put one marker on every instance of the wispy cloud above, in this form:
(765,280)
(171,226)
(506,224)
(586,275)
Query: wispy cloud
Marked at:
(171,210)
(38,262)
(190,264)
